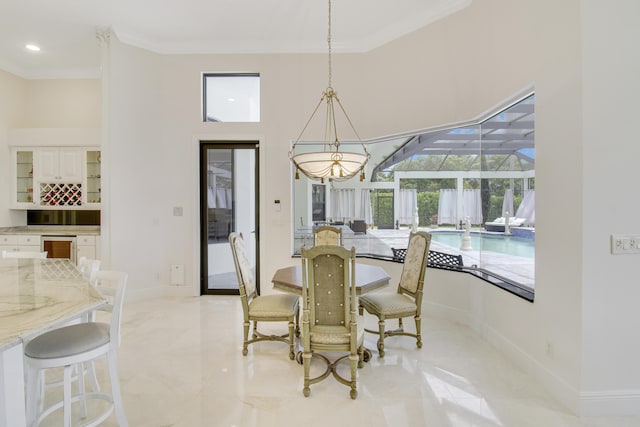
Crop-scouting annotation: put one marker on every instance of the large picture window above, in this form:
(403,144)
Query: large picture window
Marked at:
(471,187)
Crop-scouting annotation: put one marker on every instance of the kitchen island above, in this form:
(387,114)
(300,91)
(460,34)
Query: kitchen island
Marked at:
(36,295)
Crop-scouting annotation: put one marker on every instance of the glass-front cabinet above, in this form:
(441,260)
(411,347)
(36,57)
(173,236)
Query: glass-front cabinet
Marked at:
(93,176)
(56,177)
(23,188)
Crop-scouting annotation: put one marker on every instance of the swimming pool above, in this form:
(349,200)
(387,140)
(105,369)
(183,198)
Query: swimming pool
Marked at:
(510,245)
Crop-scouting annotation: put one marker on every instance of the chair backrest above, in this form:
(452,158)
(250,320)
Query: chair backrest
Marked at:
(329,291)
(24,254)
(246,281)
(415,265)
(327,235)
(89,267)
(112,285)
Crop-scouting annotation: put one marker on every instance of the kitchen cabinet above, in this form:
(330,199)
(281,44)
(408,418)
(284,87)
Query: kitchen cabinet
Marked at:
(56,178)
(22,191)
(59,164)
(20,243)
(93,176)
(86,247)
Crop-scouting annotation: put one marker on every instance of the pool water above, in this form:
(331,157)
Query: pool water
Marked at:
(510,245)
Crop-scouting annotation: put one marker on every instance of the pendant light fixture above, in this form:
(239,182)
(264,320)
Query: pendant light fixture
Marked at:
(331,163)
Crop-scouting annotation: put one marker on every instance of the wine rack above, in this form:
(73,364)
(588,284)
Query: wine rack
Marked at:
(60,194)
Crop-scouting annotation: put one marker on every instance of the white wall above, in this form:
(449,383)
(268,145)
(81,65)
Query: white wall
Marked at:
(12,108)
(571,336)
(610,291)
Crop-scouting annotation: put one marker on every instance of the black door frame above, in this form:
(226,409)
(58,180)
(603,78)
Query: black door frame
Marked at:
(204,235)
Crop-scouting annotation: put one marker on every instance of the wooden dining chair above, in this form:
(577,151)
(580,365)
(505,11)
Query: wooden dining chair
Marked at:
(407,301)
(327,235)
(329,319)
(262,308)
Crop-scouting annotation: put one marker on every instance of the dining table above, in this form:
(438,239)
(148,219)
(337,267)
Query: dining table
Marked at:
(368,278)
(36,295)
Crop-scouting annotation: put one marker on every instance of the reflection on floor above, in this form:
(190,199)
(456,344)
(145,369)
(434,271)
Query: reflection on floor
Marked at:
(181,365)
(223,280)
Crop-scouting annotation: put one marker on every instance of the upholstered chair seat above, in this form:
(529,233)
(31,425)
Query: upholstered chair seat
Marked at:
(331,335)
(269,306)
(390,305)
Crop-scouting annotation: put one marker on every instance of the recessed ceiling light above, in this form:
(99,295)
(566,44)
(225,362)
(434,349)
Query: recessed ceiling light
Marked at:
(231,99)
(33,47)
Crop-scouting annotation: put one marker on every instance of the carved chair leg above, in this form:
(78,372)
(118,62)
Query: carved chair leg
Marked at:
(255,329)
(291,339)
(245,344)
(381,338)
(353,361)
(418,334)
(306,363)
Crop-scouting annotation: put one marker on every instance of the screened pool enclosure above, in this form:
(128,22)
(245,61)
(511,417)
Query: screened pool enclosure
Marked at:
(481,174)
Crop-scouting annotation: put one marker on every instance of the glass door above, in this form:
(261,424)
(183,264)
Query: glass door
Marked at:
(228,201)
(383,208)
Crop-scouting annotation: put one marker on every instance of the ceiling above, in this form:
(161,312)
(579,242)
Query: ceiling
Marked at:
(65,30)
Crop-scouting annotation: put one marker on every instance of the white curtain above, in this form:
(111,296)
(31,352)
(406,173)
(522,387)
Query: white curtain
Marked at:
(211,198)
(447,207)
(366,213)
(472,206)
(507,203)
(229,197)
(527,208)
(343,204)
(221,198)
(408,204)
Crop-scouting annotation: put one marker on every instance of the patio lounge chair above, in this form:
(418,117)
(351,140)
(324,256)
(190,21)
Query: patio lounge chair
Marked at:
(499,223)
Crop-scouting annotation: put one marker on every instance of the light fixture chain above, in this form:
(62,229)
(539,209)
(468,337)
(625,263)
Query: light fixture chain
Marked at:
(330,163)
(329,41)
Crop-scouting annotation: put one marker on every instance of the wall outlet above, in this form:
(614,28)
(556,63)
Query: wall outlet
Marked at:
(625,244)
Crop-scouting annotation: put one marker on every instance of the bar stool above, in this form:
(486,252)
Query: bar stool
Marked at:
(89,267)
(24,254)
(75,345)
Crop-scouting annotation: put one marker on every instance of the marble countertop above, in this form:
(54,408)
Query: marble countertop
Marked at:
(58,230)
(40,294)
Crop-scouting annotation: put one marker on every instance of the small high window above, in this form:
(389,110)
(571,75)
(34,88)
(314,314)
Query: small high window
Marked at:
(231,97)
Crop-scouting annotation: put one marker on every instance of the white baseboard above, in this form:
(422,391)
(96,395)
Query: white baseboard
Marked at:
(143,294)
(587,404)
(610,403)
(556,386)
(445,312)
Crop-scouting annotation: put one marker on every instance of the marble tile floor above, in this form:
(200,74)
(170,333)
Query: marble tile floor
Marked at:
(181,366)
